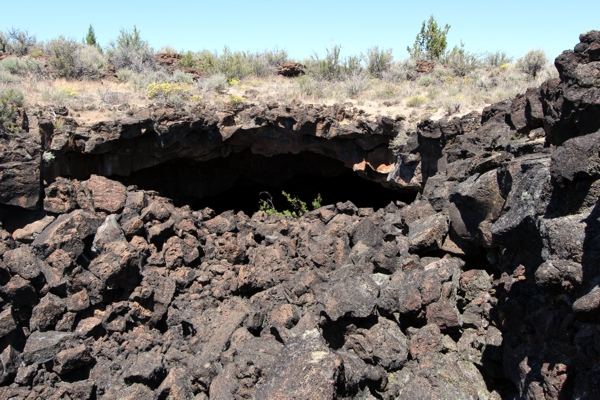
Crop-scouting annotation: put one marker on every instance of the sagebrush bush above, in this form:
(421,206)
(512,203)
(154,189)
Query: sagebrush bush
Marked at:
(330,68)
(7,77)
(404,70)
(129,51)
(182,77)
(10,101)
(533,62)
(132,58)
(213,83)
(497,59)
(73,60)
(19,66)
(378,61)
(310,86)
(19,42)
(461,62)
(356,83)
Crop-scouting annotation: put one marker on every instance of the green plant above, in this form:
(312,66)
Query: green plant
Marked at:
(533,62)
(497,59)
(353,64)
(7,77)
(3,43)
(164,89)
(187,60)
(19,42)
(73,60)
(90,38)
(19,66)
(131,52)
(182,77)
(330,68)
(430,42)
(416,101)
(129,39)
(10,101)
(236,100)
(378,61)
(356,83)
(461,61)
(310,86)
(317,202)
(59,123)
(214,83)
(298,207)
(234,64)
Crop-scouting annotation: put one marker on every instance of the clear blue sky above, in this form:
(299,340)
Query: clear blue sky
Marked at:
(305,26)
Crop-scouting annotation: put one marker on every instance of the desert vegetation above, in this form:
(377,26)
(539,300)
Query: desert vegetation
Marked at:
(431,82)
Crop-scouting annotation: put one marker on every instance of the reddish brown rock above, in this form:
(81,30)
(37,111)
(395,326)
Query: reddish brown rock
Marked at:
(107,195)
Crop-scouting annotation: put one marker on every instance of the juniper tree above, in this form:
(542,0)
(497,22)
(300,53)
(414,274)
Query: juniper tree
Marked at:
(430,42)
(90,39)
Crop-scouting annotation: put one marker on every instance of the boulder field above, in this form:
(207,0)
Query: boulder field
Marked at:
(486,286)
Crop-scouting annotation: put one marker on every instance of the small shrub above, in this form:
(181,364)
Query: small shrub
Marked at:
(330,68)
(386,91)
(260,66)
(177,100)
(426,81)
(3,43)
(453,105)
(164,89)
(214,83)
(19,66)
(356,83)
(353,64)
(187,60)
(497,59)
(405,70)
(310,86)
(20,42)
(10,101)
(182,77)
(378,61)
(110,97)
(416,101)
(236,100)
(7,77)
(298,207)
(234,64)
(131,52)
(140,80)
(533,62)
(73,60)
(460,61)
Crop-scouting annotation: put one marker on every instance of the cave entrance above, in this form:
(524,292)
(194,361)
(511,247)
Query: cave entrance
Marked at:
(235,182)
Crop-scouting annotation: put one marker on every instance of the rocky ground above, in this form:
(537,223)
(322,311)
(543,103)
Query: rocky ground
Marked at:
(484,287)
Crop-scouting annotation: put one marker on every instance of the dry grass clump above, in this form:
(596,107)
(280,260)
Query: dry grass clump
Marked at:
(64,72)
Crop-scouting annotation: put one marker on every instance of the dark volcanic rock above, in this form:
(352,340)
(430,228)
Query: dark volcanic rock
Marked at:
(305,367)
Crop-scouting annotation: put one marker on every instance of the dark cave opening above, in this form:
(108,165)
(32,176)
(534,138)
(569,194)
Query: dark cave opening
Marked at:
(237,181)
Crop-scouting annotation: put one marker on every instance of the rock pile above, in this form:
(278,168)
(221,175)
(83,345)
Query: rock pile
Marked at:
(486,286)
